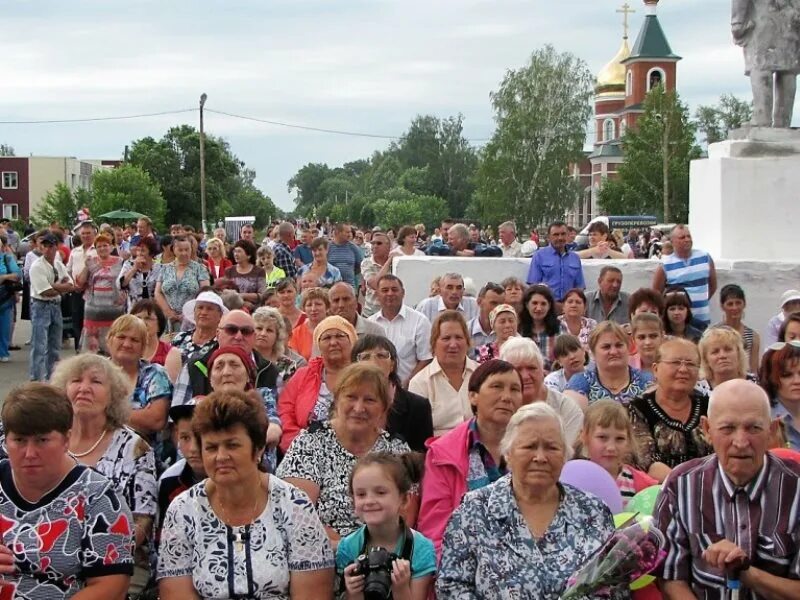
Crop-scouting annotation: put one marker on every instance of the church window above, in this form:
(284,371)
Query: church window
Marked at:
(655,77)
(608,130)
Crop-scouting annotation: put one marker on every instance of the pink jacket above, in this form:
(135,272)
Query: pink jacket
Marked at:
(298,399)
(444,483)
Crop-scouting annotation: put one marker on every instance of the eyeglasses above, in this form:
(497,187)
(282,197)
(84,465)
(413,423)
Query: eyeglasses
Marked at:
(365,356)
(681,362)
(780,345)
(333,336)
(232,330)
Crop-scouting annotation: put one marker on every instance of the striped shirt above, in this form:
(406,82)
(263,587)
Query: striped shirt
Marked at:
(347,258)
(693,275)
(699,506)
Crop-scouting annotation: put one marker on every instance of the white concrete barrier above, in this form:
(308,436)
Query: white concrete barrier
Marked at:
(763,282)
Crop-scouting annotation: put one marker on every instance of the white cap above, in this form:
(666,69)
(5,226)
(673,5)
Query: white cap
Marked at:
(209,298)
(529,248)
(789,296)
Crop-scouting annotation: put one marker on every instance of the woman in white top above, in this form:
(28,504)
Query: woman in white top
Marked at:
(407,243)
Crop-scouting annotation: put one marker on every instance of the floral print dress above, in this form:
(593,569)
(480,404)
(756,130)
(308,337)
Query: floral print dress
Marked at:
(179,291)
(588,383)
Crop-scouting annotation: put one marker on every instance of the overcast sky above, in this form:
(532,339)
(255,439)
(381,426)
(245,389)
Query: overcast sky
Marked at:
(356,65)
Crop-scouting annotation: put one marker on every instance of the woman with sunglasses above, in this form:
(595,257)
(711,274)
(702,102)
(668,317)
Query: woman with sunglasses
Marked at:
(780,378)
(410,414)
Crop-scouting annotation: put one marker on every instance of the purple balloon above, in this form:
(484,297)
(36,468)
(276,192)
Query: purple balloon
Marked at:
(593,479)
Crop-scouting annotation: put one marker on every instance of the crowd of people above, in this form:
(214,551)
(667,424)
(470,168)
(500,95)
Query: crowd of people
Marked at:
(272,419)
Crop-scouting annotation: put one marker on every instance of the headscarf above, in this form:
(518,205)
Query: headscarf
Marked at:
(338,323)
(245,357)
(500,308)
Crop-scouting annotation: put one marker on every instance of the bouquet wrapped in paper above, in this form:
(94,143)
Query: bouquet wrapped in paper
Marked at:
(633,550)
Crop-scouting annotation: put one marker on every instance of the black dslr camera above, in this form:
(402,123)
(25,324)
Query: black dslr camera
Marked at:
(376,566)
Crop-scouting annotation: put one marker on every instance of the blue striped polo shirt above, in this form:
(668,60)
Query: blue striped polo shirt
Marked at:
(692,275)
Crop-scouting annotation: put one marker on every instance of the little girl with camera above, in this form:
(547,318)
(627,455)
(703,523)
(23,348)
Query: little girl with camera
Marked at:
(385,558)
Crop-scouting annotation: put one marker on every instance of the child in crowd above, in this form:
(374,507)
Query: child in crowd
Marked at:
(379,484)
(571,358)
(266,260)
(647,334)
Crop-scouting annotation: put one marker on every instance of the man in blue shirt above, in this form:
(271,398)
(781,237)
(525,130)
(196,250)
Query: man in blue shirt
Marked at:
(555,266)
(345,255)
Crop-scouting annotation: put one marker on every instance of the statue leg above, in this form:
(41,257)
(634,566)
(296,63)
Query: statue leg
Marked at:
(785,89)
(762,84)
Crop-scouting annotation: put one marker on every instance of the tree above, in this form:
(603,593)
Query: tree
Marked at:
(307,182)
(61,205)
(6,150)
(654,179)
(127,187)
(715,121)
(541,112)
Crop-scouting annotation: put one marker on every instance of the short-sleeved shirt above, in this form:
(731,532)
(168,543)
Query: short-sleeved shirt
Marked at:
(588,383)
(332,275)
(286,537)
(252,282)
(410,332)
(43,275)
(317,456)
(142,286)
(423,555)
(179,291)
(347,258)
(303,253)
(152,384)
(81,529)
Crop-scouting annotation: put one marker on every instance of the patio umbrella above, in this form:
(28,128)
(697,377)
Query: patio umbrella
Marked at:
(124,214)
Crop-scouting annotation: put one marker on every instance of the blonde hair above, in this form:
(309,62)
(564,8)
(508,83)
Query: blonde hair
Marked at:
(125,323)
(610,414)
(362,373)
(267,313)
(217,243)
(315,293)
(605,327)
(119,404)
(725,335)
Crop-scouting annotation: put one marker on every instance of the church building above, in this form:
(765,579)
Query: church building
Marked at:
(619,101)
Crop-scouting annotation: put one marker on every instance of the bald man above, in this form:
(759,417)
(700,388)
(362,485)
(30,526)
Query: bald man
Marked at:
(734,514)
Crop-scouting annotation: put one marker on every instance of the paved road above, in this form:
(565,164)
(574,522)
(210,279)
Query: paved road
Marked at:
(15,372)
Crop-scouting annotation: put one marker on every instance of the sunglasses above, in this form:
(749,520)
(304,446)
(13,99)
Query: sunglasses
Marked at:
(781,345)
(232,330)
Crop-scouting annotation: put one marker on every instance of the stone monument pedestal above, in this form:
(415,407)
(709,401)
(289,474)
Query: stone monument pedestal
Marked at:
(744,199)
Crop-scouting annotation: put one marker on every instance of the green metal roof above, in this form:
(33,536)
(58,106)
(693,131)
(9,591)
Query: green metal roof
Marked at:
(608,150)
(651,42)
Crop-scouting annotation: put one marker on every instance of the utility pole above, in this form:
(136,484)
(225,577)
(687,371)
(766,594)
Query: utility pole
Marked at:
(203,98)
(665,150)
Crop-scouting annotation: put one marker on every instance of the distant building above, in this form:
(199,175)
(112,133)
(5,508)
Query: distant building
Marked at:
(619,101)
(26,180)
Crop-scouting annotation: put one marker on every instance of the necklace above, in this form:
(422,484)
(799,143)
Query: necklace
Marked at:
(240,537)
(92,449)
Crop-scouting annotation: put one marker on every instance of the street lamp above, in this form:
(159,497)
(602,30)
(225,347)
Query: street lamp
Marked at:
(203,98)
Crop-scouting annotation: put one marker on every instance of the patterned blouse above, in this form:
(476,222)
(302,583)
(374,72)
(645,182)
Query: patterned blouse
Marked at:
(331,275)
(152,384)
(142,286)
(663,439)
(253,561)
(588,383)
(183,342)
(254,282)
(488,541)
(587,326)
(104,299)
(79,529)
(317,456)
(179,291)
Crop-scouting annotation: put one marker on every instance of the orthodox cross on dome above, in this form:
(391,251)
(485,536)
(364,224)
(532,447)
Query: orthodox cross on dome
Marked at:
(625,10)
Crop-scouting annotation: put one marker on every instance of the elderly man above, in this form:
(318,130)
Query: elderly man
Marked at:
(508,240)
(284,257)
(344,254)
(236,328)
(344,304)
(607,302)
(490,296)
(460,244)
(75,265)
(408,330)
(451,297)
(373,268)
(555,266)
(732,515)
(689,268)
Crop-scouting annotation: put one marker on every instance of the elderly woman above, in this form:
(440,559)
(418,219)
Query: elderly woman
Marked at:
(722,357)
(241,533)
(539,320)
(790,328)
(100,395)
(307,396)
(445,381)
(410,415)
(526,533)
(179,282)
(780,378)
(666,420)
(647,332)
(573,320)
(610,376)
(468,457)
(155,350)
(515,290)
(316,306)
(206,311)
(286,290)
(526,357)
(139,273)
(733,303)
(152,389)
(324,273)
(504,323)
(216,262)
(270,343)
(231,369)
(104,300)
(571,358)
(46,497)
(320,459)
(249,278)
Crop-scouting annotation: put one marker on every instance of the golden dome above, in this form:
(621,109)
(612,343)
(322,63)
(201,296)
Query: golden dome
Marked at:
(613,74)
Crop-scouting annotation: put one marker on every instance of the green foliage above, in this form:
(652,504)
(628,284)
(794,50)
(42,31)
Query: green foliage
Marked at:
(127,187)
(663,133)
(307,182)
(541,112)
(714,121)
(61,205)
(6,150)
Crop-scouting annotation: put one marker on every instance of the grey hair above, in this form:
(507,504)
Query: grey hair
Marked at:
(536,411)
(119,404)
(456,276)
(521,350)
(268,313)
(461,230)
(508,225)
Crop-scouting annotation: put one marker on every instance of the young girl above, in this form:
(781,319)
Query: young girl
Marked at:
(647,333)
(607,439)
(266,260)
(380,483)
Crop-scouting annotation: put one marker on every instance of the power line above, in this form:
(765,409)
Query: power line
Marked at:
(92,119)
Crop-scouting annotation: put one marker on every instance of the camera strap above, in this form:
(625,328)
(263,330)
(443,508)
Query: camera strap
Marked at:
(408,541)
